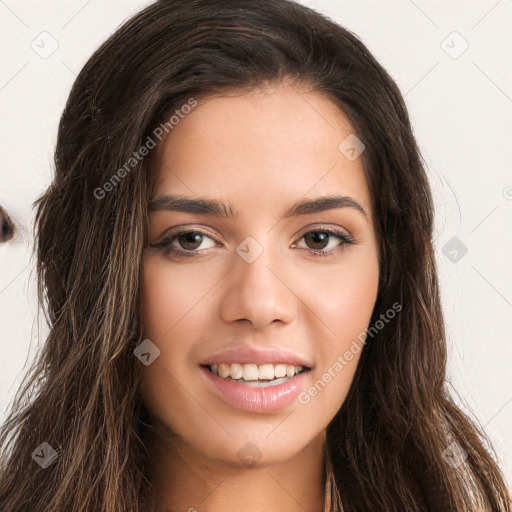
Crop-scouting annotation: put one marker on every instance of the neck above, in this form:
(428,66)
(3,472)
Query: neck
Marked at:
(187,482)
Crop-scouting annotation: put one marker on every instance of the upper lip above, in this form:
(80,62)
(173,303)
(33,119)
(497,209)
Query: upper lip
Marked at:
(248,354)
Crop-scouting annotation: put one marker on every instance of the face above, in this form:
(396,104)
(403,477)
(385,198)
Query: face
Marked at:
(258,293)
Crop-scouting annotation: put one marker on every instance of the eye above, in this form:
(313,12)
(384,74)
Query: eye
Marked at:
(319,237)
(188,241)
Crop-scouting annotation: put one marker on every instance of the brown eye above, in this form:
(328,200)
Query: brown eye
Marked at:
(183,242)
(6,226)
(190,240)
(317,239)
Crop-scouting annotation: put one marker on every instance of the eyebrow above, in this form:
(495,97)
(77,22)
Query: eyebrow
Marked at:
(218,208)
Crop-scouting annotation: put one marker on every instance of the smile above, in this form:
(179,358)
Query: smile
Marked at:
(256,375)
(255,394)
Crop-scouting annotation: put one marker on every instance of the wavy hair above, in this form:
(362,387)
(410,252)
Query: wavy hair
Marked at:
(386,444)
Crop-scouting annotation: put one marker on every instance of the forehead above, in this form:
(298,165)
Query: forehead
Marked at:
(280,142)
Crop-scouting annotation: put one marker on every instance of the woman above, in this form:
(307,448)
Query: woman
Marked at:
(237,261)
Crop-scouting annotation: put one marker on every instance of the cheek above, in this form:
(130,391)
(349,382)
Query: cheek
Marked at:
(340,304)
(343,296)
(170,296)
(169,299)
(354,290)
(166,322)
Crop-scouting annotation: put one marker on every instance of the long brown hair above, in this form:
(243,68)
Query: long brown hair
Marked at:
(388,443)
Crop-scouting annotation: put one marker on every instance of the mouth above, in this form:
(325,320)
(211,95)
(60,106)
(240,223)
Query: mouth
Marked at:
(262,375)
(256,388)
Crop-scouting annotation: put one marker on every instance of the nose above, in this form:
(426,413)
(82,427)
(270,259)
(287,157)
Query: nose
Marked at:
(258,292)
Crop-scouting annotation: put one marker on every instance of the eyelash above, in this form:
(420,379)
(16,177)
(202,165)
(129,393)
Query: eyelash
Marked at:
(165,244)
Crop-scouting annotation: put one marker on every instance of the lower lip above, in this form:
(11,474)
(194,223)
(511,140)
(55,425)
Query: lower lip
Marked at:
(257,399)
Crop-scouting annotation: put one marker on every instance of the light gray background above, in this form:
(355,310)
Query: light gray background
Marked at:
(460,105)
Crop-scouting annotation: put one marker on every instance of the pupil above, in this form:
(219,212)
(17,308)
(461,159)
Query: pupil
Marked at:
(319,235)
(191,237)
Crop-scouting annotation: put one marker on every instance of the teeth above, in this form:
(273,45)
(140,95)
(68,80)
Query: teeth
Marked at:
(254,372)
(224,370)
(265,372)
(280,370)
(250,372)
(236,371)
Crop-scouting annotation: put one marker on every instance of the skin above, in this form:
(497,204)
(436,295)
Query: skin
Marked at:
(261,151)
